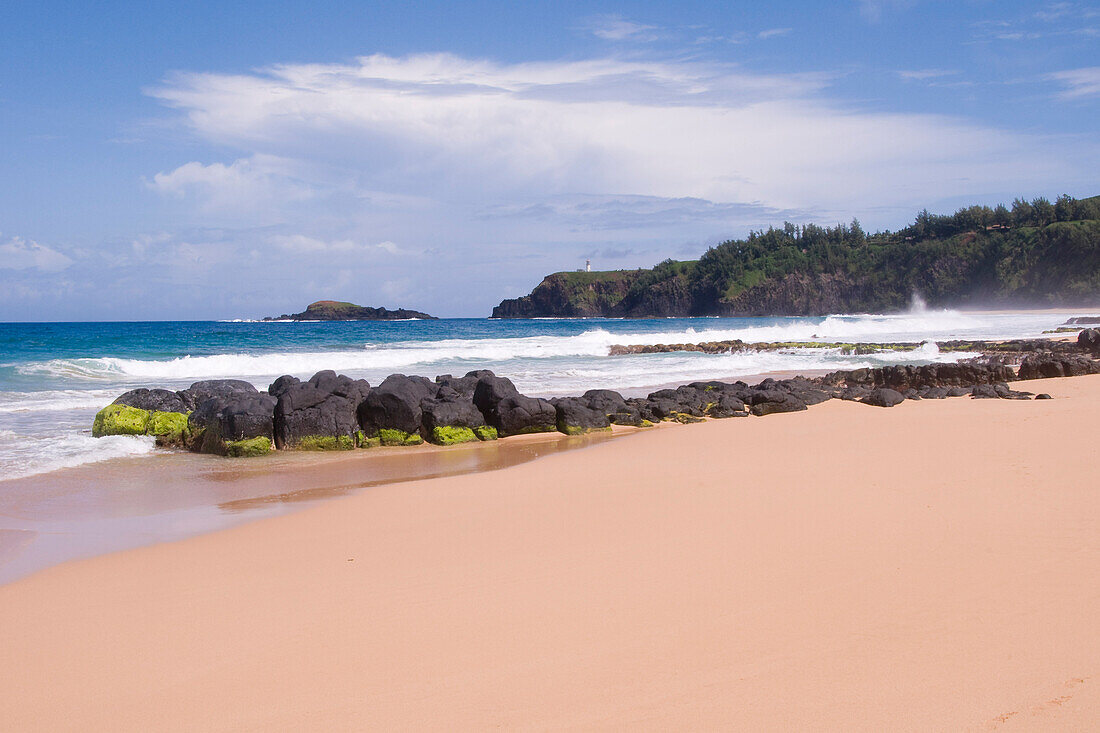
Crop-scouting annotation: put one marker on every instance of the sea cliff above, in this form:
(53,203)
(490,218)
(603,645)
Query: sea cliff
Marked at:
(1024,257)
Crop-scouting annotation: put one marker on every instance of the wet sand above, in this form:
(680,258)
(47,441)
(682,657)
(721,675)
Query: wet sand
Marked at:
(928,567)
(130,502)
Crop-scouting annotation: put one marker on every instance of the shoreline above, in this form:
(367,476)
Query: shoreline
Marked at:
(871,579)
(49,519)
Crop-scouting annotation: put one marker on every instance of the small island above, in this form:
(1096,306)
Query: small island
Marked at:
(336,310)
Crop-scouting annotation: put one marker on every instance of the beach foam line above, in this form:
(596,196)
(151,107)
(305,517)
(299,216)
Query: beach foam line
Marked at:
(29,455)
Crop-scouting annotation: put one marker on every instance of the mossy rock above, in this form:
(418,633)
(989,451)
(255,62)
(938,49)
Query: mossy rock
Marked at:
(120,420)
(535,429)
(393,436)
(249,448)
(486,432)
(684,419)
(450,435)
(325,442)
(366,442)
(645,424)
(169,427)
(581,430)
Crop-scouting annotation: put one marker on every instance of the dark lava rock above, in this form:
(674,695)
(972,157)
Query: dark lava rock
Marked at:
(771,401)
(958,391)
(395,404)
(1089,340)
(883,397)
(162,400)
(575,417)
(1039,366)
(855,393)
(466,385)
(1042,396)
(510,412)
(726,404)
(326,406)
(518,415)
(220,420)
(450,409)
(935,393)
(612,404)
(488,394)
(983,392)
(199,392)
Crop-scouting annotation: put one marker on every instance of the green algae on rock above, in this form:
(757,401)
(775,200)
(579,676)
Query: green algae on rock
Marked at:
(486,432)
(393,436)
(451,435)
(325,442)
(249,447)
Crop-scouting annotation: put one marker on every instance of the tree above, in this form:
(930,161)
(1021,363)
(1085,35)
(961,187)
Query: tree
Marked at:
(1001,216)
(1023,213)
(1065,208)
(1044,211)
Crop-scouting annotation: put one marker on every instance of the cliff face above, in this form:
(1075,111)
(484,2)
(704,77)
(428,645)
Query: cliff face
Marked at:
(571,295)
(335,310)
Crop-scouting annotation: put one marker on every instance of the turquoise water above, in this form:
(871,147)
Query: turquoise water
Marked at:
(54,376)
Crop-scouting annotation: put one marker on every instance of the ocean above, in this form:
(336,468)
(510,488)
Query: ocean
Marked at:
(55,376)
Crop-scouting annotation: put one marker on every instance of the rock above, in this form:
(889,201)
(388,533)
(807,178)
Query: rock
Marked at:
(574,417)
(935,393)
(519,415)
(772,401)
(983,392)
(1089,340)
(394,406)
(320,414)
(120,419)
(199,392)
(958,391)
(855,393)
(883,397)
(612,404)
(1042,396)
(466,385)
(450,418)
(488,394)
(169,428)
(511,413)
(154,400)
(725,405)
(220,421)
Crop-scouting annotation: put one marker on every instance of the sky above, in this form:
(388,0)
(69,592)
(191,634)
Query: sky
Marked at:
(210,160)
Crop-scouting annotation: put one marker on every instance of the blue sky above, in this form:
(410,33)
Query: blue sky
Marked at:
(193,160)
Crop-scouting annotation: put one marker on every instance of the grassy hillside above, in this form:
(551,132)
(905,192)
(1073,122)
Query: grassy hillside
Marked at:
(1036,253)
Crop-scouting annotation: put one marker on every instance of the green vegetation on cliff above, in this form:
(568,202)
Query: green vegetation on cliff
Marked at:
(1036,253)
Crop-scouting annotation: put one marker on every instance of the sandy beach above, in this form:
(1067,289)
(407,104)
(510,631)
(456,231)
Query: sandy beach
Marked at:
(928,567)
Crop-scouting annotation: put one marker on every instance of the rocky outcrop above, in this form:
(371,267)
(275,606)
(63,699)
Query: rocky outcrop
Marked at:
(335,310)
(332,411)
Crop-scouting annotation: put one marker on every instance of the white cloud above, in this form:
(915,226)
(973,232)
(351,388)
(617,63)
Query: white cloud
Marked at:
(1078,83)
(24,254)
(468,131)
(774,33)
(617,28)
(255,181)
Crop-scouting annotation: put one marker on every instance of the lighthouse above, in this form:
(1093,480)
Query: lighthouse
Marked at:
(588,265)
